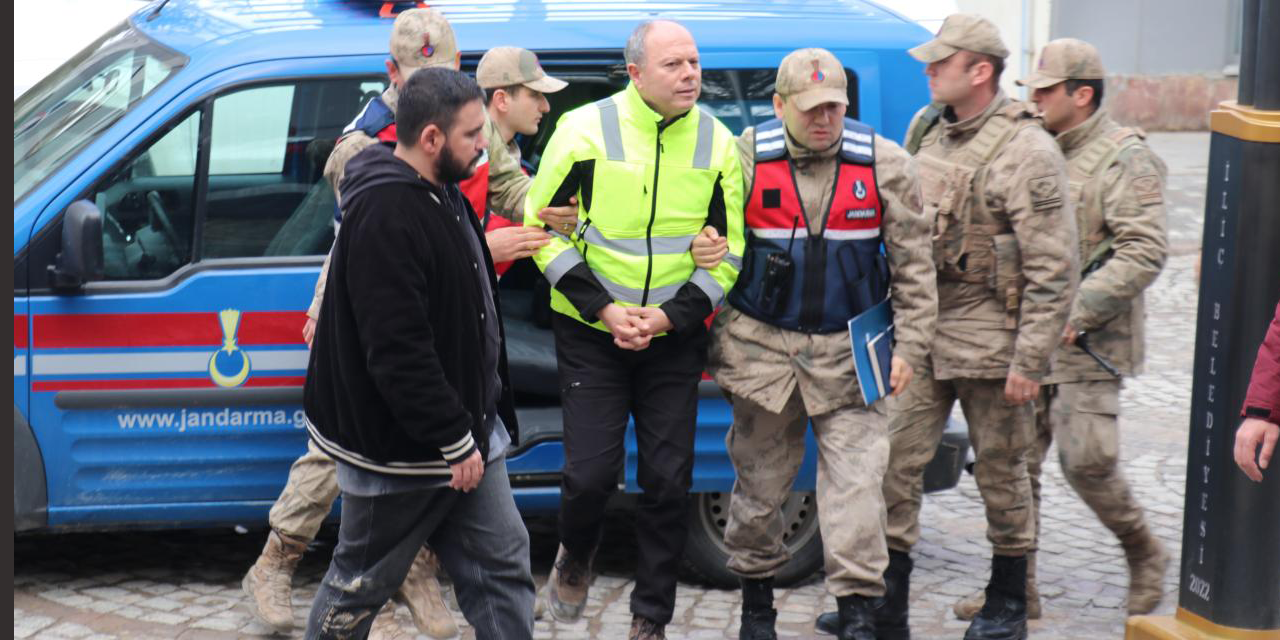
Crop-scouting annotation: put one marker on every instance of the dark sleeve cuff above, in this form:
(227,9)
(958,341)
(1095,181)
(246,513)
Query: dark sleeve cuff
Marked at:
(688,309)
(1261,413)
(583,291)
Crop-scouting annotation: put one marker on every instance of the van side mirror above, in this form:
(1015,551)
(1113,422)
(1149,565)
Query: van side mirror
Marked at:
(80,260)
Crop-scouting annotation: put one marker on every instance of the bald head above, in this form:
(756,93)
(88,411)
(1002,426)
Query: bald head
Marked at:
(662,60)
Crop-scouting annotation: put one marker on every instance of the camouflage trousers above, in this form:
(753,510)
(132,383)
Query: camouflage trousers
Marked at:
(767,450)
(1081,417)
(308,496)
(1000,434)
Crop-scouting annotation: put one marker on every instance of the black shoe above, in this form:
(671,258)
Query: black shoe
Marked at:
(856,619)
(1004,616)
(758,615)
(890,610)
(828,623)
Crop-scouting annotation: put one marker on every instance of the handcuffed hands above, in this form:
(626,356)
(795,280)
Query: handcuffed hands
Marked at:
(634,327)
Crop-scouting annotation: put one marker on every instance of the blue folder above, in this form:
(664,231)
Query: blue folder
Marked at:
(871,335)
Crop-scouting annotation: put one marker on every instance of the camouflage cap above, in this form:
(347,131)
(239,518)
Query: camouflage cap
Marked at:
(506,66)
(967,31)
(422,38)
(812,77)
(1065,59)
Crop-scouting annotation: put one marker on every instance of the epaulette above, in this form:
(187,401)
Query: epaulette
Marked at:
(858,143)
(771,140)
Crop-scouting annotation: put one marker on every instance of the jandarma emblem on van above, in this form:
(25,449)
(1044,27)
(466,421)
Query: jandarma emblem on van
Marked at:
(229,366)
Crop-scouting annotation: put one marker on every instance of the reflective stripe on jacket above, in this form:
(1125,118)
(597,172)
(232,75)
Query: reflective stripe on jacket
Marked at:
(645,188)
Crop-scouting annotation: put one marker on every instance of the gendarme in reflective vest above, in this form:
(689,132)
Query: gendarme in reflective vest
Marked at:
(644,189)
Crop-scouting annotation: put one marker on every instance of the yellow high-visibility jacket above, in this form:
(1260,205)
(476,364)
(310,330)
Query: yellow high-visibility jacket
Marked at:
(644,191)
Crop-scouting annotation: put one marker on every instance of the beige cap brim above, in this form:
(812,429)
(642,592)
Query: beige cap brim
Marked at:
(932,51)
(547,84)
(1038,80)
(407,71)
(806,100)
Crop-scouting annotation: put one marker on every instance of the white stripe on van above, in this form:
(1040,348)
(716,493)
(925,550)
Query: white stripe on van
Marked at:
(170,362)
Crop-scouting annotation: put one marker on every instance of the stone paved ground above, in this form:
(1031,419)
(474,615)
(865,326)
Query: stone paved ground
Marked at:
(187,584)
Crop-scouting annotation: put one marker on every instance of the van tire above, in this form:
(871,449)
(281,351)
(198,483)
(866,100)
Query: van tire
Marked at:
(706,557)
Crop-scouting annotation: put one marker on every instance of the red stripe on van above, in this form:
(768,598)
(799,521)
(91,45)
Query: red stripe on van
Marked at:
(160,383)
(19,332)
(89,330)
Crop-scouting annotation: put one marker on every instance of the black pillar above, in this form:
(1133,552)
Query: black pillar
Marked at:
(1230,570)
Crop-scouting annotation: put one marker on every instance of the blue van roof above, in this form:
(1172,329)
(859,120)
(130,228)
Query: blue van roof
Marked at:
(244,31)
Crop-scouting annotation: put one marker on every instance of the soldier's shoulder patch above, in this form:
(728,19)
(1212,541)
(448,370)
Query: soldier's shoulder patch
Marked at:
(1147,189)
(1045,193)
(1145,172)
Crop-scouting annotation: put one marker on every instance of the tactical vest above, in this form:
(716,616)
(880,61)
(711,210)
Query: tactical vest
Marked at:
(1084,173)
(377,121)
(970,242)
(836,274)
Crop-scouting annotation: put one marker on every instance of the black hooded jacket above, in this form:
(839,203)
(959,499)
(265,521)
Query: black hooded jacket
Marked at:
(395,383)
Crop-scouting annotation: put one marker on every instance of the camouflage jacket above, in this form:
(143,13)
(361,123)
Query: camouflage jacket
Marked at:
(507,182)
(1004,241)
(764,363)
(1116,185)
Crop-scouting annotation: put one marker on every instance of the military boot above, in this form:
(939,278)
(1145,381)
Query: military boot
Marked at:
(758,615)
(643,628)
(269,582)
(857,622)
(567,586)
(386,627)
(889,610)
(1004,614)
(1148,562)
(421,592)
(967,608)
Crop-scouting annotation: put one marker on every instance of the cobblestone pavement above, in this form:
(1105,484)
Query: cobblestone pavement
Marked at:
(187,584)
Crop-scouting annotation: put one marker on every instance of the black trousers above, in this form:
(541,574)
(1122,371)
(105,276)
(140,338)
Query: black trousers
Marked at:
(600,386)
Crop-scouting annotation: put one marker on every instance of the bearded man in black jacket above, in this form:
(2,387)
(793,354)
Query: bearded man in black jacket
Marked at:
(407,385)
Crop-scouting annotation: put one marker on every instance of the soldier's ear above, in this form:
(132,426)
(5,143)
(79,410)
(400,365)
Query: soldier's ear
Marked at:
(1083,96)
(778,103)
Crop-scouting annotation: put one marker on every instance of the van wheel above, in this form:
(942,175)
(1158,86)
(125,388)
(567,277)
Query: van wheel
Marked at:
(705,555)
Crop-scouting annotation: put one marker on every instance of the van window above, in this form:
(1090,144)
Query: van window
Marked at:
(263,194)
(81,99)
(148,206)
(267,151)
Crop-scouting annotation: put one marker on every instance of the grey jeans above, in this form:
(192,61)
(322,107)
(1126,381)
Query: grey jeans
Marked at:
(479,537)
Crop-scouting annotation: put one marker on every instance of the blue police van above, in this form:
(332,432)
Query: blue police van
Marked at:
(170,220)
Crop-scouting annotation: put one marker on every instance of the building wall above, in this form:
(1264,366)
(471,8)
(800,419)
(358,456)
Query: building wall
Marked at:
(1169,62)
(1154,37)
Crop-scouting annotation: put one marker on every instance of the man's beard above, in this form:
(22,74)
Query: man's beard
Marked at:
(450,169)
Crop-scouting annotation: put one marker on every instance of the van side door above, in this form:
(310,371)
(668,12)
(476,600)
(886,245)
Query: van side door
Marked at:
(169,393)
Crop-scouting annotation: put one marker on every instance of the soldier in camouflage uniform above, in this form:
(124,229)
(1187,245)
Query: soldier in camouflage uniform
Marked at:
(312,487)
(994,184)
(515,88)
(1115,184)
(780,376)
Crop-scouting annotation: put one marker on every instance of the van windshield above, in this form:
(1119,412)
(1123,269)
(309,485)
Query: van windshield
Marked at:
(82,98)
